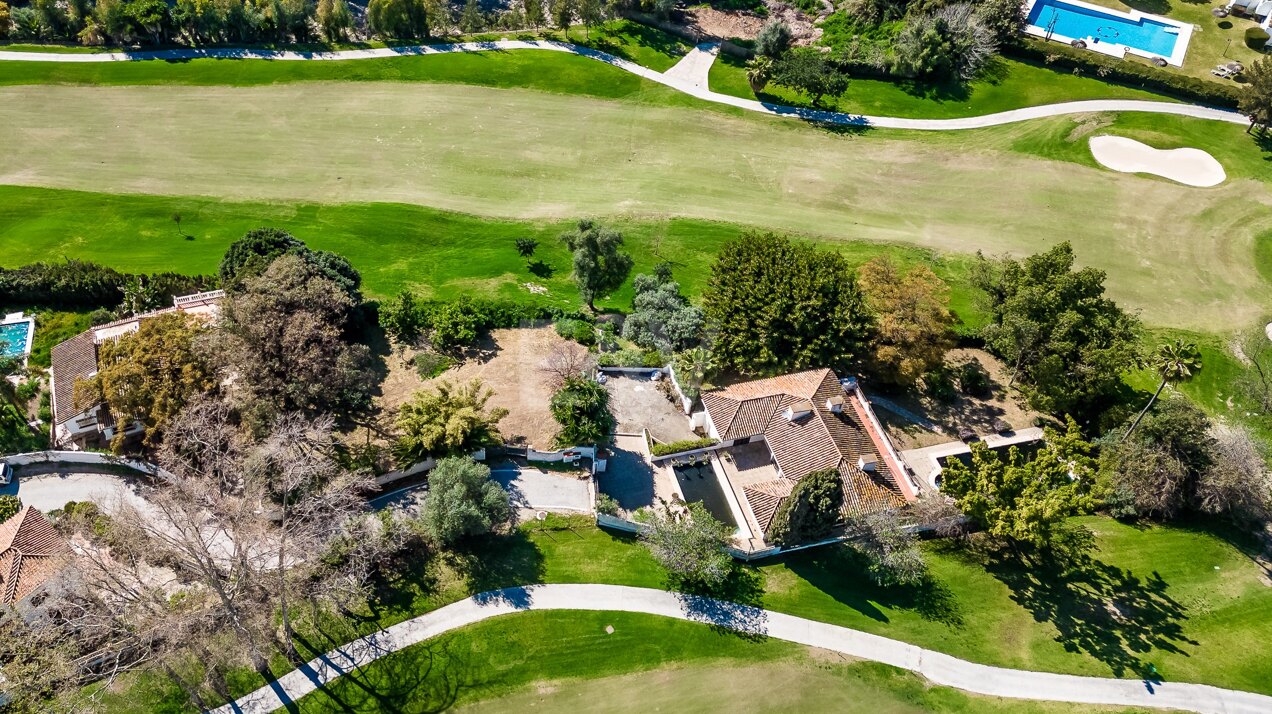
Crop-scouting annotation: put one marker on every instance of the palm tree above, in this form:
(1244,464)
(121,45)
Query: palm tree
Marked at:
(1174,362)
(758,72)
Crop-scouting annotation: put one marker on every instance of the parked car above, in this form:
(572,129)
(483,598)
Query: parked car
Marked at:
(6,473)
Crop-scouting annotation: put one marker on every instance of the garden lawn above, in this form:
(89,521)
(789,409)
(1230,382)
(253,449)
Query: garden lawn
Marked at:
(1008,84)
(555,661)
(1183,599)
(1182,256)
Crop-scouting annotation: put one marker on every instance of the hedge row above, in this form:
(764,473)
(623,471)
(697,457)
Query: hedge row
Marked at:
(676,447)
(1126,72)
(81,285)
(452,323)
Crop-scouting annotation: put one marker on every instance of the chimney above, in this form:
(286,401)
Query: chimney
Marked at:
(868,464)
(835,404)
(798,411)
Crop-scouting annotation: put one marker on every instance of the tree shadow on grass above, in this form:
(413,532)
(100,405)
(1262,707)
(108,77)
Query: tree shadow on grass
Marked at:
(496,562)
(732,607)
(427,677)
(842,573)
(1099,610)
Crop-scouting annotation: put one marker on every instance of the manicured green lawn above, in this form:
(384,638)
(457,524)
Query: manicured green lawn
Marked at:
(554,661)
(1010,84)
(395,246)
(1183,599)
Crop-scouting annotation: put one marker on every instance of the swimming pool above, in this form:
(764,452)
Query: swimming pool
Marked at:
(15,338)
(1109,31)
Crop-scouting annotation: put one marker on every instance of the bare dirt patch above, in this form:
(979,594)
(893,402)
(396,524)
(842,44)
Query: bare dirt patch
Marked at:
(726,24)
(963,411)
(508,362)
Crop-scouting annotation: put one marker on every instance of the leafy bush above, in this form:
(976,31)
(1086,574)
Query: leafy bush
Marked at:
(950,43)
(10,506)
(456,322)
(973,380)
(676,447)
(463,501)
(606,504)
(808,70)
(774,39)
(938,385)
(1126,72)
(581,331)
(430,364)
(632,357)
(581,407)
(692,549)
(1256,38)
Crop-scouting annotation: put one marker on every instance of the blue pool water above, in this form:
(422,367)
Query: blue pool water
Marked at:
(1080,23)
(13,337)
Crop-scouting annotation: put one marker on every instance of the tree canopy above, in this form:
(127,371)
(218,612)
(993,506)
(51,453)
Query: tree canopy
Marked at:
(1025,501)
(462,501)
(807,70)
(691,546)
(1256,99)
(283,336)
(912,320)
(449,419)
(581,408)
(151,374)
(600,265)
(774,305)
(1060,335)
(252,254)
(811,511)
(10,506)
(662,319)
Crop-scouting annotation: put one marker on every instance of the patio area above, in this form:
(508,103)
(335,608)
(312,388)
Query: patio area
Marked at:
(632,480)
(638,402)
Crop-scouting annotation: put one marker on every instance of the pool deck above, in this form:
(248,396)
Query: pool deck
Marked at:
(1113,49)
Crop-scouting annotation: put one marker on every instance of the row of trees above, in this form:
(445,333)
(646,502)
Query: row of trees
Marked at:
(204,22)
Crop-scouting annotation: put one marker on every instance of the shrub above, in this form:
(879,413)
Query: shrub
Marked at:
(462,502)
(938,385)
(774,39)
(1126,72)
(973,380)
(581,331)
(891,550)
(430,364)
(675,447)
(808,70)
(606,504)
(1256,38)
(581,407)
(10,506)
(81,285)
(692,549)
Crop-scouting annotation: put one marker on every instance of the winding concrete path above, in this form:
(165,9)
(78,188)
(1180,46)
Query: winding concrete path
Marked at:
(939,668)
(688,80)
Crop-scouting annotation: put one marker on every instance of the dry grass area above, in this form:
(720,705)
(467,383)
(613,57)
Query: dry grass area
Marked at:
(965,410)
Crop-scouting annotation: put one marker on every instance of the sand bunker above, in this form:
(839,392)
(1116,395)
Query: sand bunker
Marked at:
(1191,167)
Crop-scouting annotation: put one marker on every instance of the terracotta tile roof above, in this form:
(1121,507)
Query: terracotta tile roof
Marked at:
(31,552)
(765,497)
(71,360)
(821,439)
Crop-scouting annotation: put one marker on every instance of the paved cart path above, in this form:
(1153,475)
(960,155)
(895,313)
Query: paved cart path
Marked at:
(939,668)
(687,76)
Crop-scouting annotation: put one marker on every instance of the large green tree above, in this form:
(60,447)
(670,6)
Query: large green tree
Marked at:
(252,254)
(690,546)
(402,19)
(581,408)
(282,341)
(1025,501)
(462,501)
(661,318)
(913,321)
(1062,338)
(600,265)
(775,305)
(1256,97)
(811,511)
(807,70)
(449,419)
(151,374)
